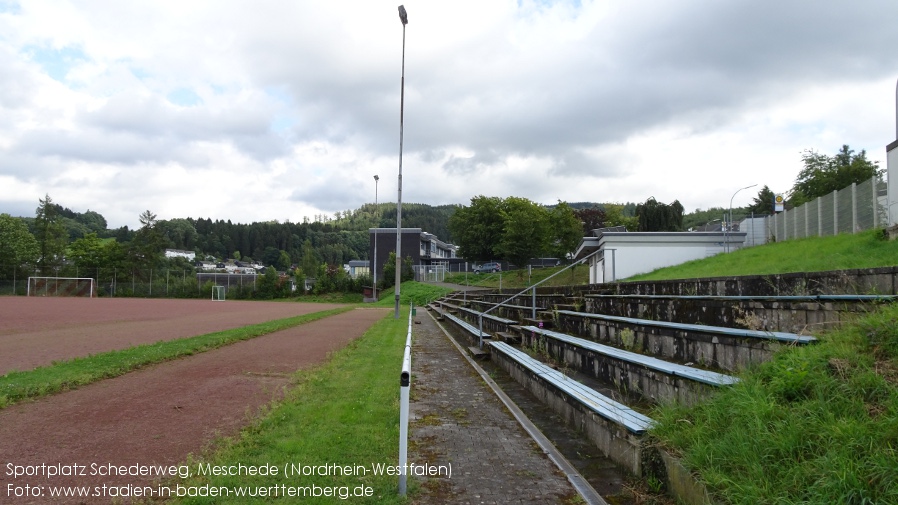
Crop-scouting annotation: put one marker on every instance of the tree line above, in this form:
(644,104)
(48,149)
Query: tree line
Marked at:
(514,229)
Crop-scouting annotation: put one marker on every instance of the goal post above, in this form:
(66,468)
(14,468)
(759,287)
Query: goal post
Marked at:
(218,293)
(62,286)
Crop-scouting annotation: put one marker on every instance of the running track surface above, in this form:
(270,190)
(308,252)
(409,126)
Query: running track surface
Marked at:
(162,414)
(37,331)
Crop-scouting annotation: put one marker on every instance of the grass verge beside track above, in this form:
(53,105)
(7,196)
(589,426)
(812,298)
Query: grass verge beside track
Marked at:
(18,386)
(344,413)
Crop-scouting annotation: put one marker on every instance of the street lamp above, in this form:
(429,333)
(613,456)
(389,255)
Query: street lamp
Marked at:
(403,17)
(730,218)
(374,265)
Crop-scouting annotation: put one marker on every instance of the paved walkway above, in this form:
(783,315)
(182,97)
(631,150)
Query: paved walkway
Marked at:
(457,419)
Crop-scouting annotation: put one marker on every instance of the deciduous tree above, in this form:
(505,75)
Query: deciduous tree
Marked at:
(824,174)
(526,231)
(88,252)
(478,228)
(18,247)
(567,230)
(591,218)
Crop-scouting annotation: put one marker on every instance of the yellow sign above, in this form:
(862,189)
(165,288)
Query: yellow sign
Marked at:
(778,203)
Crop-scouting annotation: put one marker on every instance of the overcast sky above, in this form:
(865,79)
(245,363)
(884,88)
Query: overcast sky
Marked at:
(275,110)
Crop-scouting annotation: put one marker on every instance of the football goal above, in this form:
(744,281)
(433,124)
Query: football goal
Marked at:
(62,286)
(218,293)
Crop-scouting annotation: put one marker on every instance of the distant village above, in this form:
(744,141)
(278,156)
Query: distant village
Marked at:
(230,266)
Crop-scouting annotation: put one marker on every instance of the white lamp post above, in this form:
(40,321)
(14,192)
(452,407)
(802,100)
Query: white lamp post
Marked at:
(730,218)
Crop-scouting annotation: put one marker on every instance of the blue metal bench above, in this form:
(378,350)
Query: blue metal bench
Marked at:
(605,407)
(688,372)
(466,326)
(792,338)
(491,317)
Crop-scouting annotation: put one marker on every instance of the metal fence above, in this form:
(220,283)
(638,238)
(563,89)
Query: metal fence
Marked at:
(163,283)
(430,273)
(853,209)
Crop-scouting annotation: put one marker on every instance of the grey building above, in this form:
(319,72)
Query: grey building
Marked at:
(423,248)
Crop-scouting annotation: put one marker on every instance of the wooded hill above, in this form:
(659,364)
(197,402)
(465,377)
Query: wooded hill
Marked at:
(334,240)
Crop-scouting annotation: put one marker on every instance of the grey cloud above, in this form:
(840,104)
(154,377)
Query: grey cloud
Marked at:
(457,165)
(693,64)
(91,145)
(156,121)
(328,196)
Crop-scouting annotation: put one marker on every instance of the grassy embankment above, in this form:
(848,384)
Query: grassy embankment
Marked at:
(817,424)
(519,279)
(814,254)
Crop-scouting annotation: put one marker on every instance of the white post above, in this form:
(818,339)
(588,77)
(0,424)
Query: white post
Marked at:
(853,208)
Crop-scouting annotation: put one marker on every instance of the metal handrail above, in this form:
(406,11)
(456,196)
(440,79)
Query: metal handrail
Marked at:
(404,386)
(528,288)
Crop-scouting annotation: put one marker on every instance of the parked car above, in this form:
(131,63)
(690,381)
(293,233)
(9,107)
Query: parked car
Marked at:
(488,268)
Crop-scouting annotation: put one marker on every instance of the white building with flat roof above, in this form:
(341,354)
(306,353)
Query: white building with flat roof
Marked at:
(615,255)
(177,253)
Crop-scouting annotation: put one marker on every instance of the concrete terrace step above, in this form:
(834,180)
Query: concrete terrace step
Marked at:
(466,326)
(478,353)
(507,337)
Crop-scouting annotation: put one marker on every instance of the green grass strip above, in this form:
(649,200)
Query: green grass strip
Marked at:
(415,292)
(344,412)
(60,376)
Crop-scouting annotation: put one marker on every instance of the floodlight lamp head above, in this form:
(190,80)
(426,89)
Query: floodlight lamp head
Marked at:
(403,16)
(376,178)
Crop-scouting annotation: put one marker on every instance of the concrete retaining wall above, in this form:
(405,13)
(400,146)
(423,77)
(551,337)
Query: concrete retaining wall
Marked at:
(864,281)
(703,349)
(767,315)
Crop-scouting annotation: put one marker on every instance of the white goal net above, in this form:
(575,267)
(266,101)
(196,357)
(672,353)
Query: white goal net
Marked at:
(62,286)
(218,293)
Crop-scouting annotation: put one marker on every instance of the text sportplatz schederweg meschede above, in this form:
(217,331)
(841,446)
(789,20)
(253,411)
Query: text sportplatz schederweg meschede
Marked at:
(52,470)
